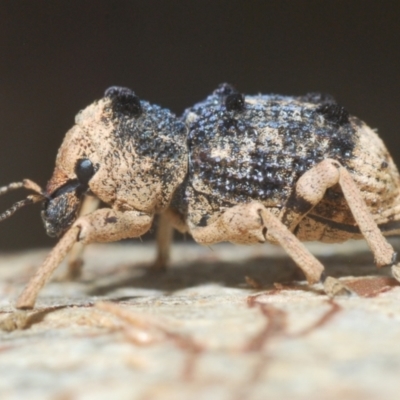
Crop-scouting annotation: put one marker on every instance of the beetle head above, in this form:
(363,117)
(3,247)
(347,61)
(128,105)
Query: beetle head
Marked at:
(128,153)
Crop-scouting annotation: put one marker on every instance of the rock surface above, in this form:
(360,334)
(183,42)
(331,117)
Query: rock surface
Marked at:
(222,323)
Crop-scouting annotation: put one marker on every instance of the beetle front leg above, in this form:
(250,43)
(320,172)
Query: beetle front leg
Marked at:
(75,262)
(254,223)
(104,225)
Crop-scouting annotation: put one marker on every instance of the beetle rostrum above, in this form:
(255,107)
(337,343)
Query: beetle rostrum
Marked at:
(61,208)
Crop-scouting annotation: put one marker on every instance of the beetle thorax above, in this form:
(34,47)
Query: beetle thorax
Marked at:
(137,151)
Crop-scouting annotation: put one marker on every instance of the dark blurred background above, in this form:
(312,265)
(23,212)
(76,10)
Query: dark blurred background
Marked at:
(57,57)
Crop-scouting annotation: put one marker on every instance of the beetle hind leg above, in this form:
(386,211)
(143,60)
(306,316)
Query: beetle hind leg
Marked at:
(311,188)
(396,271)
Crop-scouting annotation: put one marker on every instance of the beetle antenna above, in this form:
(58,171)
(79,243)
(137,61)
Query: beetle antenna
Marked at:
(26,183)
(31,199)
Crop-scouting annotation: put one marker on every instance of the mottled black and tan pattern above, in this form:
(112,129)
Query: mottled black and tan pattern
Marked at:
(259,151)
(244,169)
(139,157)
(231,149)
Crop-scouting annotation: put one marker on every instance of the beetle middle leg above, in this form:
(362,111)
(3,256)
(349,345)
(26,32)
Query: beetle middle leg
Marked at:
(164,236)
(168,221)
(254,223)
(104,225)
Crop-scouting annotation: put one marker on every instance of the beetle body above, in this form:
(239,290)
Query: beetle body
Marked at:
(244,169)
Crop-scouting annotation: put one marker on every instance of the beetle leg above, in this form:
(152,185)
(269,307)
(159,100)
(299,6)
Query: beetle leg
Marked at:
(253,223)
(75,262)
(396,271)
(28,297)
(104,225)
(169,220)
(384,253)
(164,238)
(310,190)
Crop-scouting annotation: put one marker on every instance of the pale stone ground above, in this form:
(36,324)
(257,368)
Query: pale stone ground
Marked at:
(200,331)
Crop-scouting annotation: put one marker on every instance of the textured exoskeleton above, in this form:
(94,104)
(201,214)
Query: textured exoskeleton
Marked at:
(244,169)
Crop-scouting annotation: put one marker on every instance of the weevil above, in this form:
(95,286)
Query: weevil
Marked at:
(243,169)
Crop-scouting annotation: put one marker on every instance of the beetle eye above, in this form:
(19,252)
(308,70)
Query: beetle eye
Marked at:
(84,171)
